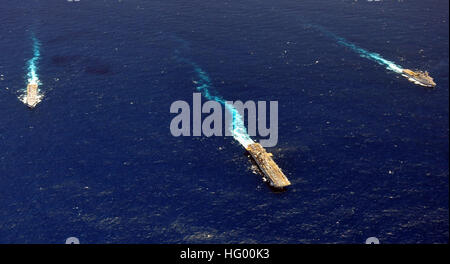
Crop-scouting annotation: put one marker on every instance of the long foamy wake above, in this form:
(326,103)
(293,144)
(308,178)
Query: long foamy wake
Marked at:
(32,67)
(362,52)
(32,63)
(371,56)
(204,86)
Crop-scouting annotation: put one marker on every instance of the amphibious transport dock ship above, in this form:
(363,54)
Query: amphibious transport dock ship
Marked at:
(32,95)
(419,77)
(267,166)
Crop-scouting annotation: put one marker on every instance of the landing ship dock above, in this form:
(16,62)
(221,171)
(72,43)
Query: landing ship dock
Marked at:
(32,95)
(419,77)
(267,166)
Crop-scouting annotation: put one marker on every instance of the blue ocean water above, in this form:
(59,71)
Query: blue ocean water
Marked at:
(366,151)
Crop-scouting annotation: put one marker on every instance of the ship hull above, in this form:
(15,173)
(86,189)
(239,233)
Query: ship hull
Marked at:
(418,82)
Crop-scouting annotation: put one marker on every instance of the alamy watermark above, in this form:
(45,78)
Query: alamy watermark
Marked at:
(229,115)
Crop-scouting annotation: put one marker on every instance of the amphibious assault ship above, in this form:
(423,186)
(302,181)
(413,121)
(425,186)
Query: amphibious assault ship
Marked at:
(419,77)
(32,98)
(267,166)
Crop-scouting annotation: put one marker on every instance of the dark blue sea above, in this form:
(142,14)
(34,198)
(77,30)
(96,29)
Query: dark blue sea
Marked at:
(366,151)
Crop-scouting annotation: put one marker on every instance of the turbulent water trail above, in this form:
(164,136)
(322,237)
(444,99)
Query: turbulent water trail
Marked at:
(362,52)
(238,128)
(32,67)
(32,63)
(204,86)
